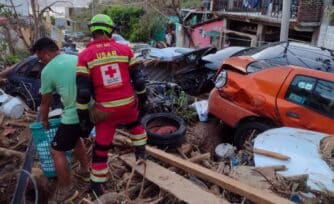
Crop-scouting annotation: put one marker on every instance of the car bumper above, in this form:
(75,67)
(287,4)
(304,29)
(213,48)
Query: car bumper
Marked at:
(225,110)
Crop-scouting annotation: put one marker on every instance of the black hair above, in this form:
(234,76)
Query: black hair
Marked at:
(44,44)
(101,32)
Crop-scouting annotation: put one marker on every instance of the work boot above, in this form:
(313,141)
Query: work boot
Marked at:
(65,194)
(97,188)
(82,175)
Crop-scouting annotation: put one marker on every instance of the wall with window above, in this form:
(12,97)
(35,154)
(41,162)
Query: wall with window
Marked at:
(204,35)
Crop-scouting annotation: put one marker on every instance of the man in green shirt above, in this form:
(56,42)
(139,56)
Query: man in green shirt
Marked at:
(59,76)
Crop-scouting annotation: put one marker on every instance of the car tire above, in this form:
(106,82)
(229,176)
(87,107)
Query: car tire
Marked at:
(171,140)
(244,132)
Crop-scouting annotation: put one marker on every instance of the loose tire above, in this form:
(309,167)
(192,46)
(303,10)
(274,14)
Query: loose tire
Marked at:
(247,132)
(173,139)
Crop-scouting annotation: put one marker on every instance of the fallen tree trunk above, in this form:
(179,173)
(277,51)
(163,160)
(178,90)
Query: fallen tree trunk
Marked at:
(253,194)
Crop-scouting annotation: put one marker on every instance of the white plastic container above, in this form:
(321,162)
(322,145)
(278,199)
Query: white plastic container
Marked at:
(201,109)
(11,106)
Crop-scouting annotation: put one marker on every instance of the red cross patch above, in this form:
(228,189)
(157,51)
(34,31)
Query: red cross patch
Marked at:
(111,75)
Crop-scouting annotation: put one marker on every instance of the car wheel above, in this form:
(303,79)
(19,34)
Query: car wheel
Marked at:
(164,129)
(247,132)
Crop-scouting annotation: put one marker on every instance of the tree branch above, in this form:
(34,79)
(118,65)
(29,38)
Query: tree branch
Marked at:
(48,7)
(10,6)
(18,29)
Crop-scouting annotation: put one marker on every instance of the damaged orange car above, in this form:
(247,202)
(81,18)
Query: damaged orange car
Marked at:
(253,97)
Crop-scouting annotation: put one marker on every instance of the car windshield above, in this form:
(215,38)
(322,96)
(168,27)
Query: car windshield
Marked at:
(118,37)
(292,53)
(219,56)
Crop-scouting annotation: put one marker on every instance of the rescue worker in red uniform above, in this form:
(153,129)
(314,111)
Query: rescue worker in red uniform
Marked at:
(104,73)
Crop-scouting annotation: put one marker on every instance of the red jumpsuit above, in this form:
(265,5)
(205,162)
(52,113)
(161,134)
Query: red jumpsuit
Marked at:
(107,64)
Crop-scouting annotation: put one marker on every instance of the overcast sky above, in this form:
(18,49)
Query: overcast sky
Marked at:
(24,4)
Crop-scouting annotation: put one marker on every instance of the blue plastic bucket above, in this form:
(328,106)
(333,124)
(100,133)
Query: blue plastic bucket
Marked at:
(42,139)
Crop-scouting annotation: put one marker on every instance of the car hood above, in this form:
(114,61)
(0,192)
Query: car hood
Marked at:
(165,54)
(238,63)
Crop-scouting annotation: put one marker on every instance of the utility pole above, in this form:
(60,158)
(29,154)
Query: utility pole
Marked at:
(93,7)
(286,13)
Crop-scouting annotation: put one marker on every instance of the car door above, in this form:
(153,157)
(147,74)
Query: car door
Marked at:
(306,100)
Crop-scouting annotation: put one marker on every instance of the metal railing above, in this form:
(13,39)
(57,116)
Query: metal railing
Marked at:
(271,8)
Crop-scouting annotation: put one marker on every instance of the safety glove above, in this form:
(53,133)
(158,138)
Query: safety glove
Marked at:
(84,120)
(142,106)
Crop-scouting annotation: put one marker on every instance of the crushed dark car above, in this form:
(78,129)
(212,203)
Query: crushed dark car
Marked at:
(182,66)
(194,70)
(24,82)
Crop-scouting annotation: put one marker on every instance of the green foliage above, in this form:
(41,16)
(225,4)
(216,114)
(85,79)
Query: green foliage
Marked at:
(126,17)
(191,3)
(332,17)
(150,23)
(183,110)
(8,59)
(22,53)
(53,20)
(5,11)
(11,59)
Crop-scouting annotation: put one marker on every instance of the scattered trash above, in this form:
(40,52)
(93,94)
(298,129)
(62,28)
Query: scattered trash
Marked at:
(11,106)
(201,109)
(225,151)
(168,97)
(248,175)
(302,146)
(327,150)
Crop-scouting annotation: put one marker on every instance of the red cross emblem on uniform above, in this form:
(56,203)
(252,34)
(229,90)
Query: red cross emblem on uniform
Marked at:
(111,75)
(110,72)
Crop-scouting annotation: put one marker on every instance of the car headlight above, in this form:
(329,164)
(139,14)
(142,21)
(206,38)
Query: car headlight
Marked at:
(221,79)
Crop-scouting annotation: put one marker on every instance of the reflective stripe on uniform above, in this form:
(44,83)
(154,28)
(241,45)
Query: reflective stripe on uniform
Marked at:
(138,137)
(99,172)
(98,179)
(99,175)
(141,92)
(107,60)
(132,61)
(139,142)
(82,106)
(116,103)
(83,70)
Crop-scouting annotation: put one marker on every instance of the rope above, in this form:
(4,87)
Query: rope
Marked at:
(130,178)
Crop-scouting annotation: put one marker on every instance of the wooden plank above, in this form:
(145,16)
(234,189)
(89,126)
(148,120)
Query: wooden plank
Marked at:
(271,154)
(173,183)
(251,193)
(200,157)
(17,124)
